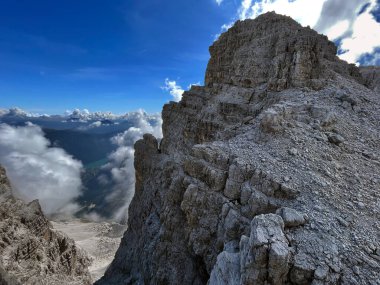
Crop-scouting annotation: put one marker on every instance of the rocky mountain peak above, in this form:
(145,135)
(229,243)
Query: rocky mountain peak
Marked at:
(268,174)
(274,50)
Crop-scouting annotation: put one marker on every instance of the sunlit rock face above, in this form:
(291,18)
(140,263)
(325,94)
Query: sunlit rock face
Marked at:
(31,251)
(268,174)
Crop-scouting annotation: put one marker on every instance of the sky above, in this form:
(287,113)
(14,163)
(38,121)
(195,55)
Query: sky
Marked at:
(123,55)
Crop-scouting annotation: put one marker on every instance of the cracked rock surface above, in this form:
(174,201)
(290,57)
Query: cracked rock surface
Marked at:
(268,174)
(31,251)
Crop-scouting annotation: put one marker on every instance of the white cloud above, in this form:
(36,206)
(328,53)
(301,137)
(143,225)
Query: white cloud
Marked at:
(305,12)
(17,112)
(194,84)
(338,29)
(338,19)
(335,11)
(244,9)
(365,37)
(225,27)
(38,171)
(85,115)
(121,160)
(175,90)
(218,2)
(95,124)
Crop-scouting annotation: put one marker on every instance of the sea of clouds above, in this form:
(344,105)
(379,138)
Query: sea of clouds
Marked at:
(39,170)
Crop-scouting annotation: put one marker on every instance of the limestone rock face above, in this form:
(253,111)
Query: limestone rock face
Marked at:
(269,174)
(31,251)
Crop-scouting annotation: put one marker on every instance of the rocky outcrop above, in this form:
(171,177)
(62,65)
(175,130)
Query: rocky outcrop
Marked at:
(371,76)
(263,257)
(31,251)
(268,174)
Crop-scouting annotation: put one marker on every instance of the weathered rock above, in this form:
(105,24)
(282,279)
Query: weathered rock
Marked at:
(335,138)
(302,272)
(31,251)
(321,272)
(293,151)
(208,195)
(291,217)
(371,76)
(265,256)
(226,270)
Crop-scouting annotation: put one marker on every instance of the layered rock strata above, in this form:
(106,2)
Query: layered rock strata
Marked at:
(268,174)
(31,251)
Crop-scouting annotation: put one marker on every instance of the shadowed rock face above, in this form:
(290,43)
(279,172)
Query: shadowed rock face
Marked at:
(371,75)
(31,251)
(269,174)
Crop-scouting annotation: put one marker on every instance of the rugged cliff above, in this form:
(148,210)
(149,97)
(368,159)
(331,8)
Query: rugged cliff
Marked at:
(31,251)
(371,75)
(268,174)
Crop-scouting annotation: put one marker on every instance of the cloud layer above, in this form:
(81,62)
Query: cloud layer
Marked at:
(349,23)
(121,161)
(38,171)
(174,89)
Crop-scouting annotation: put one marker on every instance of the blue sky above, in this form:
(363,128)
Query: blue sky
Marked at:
(112,55)
(102,55)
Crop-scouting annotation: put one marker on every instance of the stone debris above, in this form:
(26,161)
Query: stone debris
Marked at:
(291,217)
(293,151)
(335,138)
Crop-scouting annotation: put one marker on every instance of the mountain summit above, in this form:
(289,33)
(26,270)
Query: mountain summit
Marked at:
(268,174)
(277,51)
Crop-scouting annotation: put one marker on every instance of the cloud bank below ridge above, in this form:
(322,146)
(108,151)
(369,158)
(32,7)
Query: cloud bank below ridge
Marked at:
(39,171)
(121,162)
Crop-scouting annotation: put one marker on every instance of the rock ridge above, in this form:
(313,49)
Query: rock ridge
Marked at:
(31,251)
(268,174)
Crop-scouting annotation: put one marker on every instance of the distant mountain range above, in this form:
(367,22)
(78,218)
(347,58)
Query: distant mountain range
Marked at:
(82,120)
